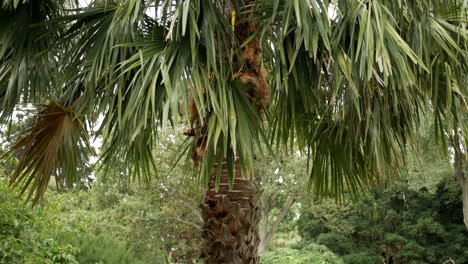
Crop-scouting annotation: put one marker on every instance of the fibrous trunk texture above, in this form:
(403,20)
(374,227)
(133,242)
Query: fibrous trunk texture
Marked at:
(231,221)
(230,231)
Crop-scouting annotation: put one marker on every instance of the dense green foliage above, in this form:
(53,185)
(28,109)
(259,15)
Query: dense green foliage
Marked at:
(311,254)
(395,224)
(145,221)
(120,221)
(101,249)
(414,220)
(27,236)
(60,232)
(115,221)
(123,219)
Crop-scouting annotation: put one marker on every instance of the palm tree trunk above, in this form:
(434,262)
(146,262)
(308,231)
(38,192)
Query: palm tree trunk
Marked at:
(231,216)
(231,220)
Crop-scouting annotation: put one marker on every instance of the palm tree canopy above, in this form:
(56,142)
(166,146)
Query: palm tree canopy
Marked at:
(350,81)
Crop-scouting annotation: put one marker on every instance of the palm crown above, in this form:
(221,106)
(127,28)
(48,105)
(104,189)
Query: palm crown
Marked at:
(350,81)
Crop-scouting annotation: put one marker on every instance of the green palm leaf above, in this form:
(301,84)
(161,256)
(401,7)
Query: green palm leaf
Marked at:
(349,79)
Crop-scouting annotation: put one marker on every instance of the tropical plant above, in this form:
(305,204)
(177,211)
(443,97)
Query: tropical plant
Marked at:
(395,224)
(29,237)
(312,254)
(101,249)
(344,81)
(155,221)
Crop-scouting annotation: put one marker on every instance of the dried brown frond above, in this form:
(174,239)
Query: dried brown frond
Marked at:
(53,145)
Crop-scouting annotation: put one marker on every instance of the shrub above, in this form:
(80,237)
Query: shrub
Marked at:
(101,249)
(26,235)
(337,243)
(311,254)
(394,224)
(360,258)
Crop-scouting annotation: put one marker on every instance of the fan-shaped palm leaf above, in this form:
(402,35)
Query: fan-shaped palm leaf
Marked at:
(54,145)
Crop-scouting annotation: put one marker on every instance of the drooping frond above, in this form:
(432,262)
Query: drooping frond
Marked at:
(352,79)
(108,77)
(185,58)
(27,60)
(349,79)
(54,145)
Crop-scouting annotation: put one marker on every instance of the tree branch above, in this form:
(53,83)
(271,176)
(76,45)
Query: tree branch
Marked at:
(193,209)
(289,202)
(265,208)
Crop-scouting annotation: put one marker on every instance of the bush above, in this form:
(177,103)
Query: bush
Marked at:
(360,258)
(116,217)
(60,232)
(311,254)
(395,224)
(26,235)
(101,249)
(337,243)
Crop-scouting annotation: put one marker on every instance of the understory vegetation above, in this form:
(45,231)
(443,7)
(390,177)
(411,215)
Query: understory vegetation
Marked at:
(416,218)
(397,224)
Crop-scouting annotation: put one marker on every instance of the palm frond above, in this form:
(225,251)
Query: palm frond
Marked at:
(53,146)
(350,79)
(352,97)
(27,59)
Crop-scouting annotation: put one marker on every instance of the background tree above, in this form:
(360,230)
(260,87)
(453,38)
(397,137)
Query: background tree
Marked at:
(395,224)
(460,164)
(349,80)
(281,186)
(415,217)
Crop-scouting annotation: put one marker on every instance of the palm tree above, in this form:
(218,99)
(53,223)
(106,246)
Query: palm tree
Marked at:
(343,81)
